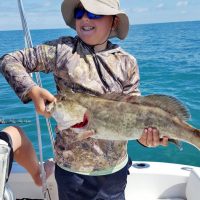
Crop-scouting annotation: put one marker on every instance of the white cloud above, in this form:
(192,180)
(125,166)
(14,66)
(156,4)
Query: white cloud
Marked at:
(160,5)
(182,3)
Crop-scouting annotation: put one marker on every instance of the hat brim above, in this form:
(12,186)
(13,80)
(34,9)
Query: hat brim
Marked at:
(68,6)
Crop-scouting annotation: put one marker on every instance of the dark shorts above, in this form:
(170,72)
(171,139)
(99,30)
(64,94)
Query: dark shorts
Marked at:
(72,186)
(4,136)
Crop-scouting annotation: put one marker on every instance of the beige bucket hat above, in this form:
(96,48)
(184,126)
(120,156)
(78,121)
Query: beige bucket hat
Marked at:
(99,7)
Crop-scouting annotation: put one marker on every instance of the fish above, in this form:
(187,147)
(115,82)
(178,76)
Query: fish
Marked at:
(123,117)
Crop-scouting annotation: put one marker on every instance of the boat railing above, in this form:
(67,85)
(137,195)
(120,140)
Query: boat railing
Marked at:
(29,44)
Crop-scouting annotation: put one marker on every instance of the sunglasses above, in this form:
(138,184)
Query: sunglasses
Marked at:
(79,12)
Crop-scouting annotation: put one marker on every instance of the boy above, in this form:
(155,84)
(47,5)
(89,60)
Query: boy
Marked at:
(87,169)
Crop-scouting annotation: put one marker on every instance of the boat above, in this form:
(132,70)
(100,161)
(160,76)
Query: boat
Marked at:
(147,181)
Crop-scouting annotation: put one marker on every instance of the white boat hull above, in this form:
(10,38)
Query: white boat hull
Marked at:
(158,181)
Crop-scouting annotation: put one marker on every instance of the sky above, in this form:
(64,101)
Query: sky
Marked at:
(45,14)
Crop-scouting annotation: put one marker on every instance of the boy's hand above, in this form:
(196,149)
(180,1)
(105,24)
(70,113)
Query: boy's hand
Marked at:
(40,96)
(151,138)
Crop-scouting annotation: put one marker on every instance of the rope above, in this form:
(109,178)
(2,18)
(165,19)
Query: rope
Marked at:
(29,44)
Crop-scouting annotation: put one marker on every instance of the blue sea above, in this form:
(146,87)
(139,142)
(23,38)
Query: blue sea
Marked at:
(168,55)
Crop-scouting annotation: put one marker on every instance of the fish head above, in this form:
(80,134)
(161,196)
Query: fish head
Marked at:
(66,113)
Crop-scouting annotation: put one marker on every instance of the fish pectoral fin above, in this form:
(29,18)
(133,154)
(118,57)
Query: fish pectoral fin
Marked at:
(86,134)
(178,143)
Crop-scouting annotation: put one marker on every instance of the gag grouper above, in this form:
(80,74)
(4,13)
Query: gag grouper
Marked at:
(121,117)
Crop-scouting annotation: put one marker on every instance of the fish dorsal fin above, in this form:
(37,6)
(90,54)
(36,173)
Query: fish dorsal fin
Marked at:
(167,103)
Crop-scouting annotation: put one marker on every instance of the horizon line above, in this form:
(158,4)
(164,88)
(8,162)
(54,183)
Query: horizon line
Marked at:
(137,24)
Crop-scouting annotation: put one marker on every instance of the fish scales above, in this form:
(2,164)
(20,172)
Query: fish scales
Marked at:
(127,121)
(119,117)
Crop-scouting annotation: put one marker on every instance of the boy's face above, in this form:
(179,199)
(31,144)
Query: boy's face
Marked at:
(94,31)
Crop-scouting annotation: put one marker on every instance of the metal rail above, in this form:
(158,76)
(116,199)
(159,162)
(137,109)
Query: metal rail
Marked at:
(29,44)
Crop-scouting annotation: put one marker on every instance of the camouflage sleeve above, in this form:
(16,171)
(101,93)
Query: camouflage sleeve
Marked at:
(133,78)
(17,66)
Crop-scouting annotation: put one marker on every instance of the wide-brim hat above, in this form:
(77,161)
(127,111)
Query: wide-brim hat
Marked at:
(98,7)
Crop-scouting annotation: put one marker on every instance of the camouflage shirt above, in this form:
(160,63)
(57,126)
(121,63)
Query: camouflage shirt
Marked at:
(75,65)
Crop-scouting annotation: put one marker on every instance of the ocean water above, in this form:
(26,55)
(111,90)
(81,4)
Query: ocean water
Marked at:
(168,55)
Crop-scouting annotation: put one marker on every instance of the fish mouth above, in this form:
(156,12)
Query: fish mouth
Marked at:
(49,107)
(83,123)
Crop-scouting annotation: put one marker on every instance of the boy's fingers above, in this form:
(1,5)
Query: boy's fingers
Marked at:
(47,114)
(156,137)
(143,138)
(164,141)
(41,108)
(144,135)
(150,137)
(48,96)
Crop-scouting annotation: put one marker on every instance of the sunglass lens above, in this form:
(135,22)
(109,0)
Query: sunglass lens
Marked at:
(78,13)
(93,16)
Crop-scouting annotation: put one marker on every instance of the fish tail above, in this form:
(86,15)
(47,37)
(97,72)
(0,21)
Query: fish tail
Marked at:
(196,132)
(196,141)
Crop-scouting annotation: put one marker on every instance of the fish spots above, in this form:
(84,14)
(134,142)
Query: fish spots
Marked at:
(59,105)
(148,122)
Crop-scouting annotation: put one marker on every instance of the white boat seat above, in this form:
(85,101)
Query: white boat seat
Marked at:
(193,185)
